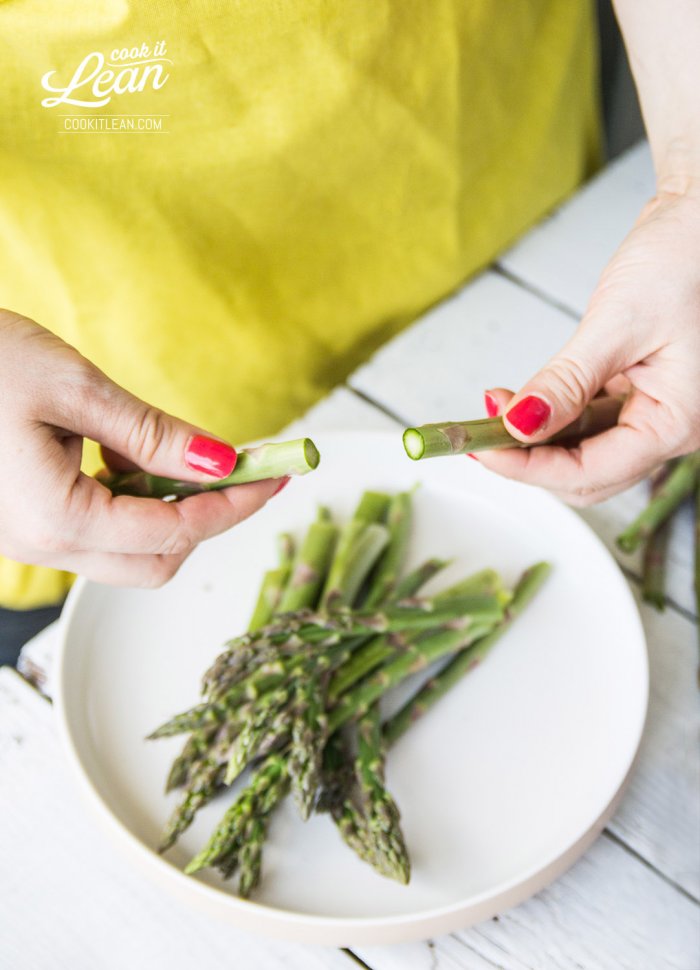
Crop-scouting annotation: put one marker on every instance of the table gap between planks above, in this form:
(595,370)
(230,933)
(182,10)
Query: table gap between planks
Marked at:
(630,903)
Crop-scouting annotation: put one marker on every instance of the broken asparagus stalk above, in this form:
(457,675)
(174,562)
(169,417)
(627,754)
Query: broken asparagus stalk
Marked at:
(679,485)
(273,460)
(486,434)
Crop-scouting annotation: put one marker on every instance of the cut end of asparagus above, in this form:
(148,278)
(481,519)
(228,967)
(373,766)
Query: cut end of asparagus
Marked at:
(487,434)
(414,443)
(312,454)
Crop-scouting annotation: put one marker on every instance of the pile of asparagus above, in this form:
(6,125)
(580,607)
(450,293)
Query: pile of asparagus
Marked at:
(671,486)
(295,701)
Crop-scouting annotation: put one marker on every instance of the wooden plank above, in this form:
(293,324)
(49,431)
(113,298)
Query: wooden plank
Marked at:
(68,898)
(608,912)
(660,814)
(564,256)
(340,411)
(493,332)
(490,333)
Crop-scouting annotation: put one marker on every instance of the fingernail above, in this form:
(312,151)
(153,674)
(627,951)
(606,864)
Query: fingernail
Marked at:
(472,455)
(210,456)
(283,484)
(491,404)
(529,415)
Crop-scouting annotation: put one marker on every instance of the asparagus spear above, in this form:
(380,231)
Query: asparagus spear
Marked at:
(271,590)
(361,542)
(354,830)
(386,841)
(309,734)
(206,780)
(274,584)
(267,784)
(460,437)
(194,750)
(654,560)
(413,581)
(386,572)
(255,730)
(465,661)
(311,565)
(341,797)
(372,507)
(359,548)
(678,486)
(416,656)
(337,773)
(274,460)
(485,583)
(286,547)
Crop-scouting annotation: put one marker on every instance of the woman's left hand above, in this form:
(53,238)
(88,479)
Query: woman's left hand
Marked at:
(640,336)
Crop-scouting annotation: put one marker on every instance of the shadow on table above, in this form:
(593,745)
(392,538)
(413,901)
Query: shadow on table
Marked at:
(18,626)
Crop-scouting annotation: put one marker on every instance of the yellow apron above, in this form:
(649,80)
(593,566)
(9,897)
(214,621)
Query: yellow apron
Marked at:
(228,205)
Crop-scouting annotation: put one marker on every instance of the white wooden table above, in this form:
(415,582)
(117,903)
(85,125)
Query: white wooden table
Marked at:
(631,903)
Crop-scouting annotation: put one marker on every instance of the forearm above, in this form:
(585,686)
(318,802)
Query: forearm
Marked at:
(662,38)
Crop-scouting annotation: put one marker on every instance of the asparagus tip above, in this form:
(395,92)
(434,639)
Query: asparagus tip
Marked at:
(195,864)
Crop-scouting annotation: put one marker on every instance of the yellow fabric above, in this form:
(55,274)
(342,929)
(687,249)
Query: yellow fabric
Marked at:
(331,169)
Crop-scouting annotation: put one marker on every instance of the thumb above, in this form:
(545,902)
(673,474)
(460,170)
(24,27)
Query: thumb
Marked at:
(144,435)
(559,392)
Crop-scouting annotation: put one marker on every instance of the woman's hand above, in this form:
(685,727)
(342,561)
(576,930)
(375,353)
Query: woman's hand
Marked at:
(640,336)
(51,514)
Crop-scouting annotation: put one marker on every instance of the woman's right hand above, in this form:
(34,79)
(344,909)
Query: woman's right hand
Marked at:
(51,514)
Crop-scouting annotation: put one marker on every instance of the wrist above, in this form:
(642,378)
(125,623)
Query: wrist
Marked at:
(677,164)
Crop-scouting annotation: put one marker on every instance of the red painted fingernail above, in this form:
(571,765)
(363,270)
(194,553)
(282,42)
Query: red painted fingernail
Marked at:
(472,455)
(283,484)
(529,415)
(491,404)
(210,456)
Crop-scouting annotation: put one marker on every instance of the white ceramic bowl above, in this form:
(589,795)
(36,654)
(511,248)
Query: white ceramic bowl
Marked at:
(502,786)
